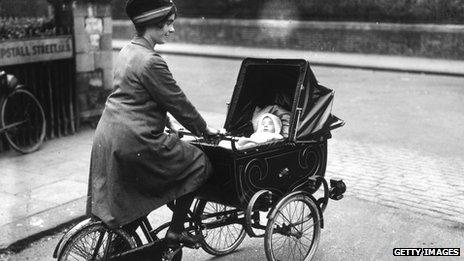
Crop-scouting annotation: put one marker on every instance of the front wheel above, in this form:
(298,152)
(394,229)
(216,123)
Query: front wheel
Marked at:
(96,242)
(221,235)
(293,229)
(23,121)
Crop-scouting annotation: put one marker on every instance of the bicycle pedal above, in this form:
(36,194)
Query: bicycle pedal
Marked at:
(169,254)
(195,246)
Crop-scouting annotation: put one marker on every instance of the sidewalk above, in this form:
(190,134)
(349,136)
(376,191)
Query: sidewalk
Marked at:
(349,60)
(46,189)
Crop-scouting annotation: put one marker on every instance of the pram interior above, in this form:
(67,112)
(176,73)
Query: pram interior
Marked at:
(261,84)
(280,166)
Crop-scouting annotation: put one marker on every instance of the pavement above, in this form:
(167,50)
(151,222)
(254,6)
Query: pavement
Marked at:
(354,229)
(333,59)
(47,189)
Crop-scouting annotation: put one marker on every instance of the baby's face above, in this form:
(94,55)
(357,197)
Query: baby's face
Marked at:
(268,125)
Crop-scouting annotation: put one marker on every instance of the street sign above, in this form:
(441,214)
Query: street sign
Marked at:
(35,50)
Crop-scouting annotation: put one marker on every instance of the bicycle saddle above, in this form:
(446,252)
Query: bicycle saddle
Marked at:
(8,80)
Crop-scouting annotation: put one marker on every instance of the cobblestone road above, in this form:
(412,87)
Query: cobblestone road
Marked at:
(400,178)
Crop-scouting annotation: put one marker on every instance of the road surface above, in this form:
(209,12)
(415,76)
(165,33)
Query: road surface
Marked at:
(400,154)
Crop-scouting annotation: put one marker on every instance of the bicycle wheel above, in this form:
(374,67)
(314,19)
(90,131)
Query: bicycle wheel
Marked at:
(91,243)
(293,229)
(24,120)
(223,239)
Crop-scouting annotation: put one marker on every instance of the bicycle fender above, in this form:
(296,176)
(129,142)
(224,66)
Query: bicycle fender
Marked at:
(19,86)
(13,89)
(71,232)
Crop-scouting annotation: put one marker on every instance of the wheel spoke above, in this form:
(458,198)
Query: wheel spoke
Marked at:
(89,244)
(292,233)
(298,245)
(279,240)
(294,246)
(289,247)
(80,251)
(306,229)
(224,238)
(301,218)
(289,222)
(294,211)
(98,244)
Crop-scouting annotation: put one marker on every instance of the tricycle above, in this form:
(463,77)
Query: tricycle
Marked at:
(276,190)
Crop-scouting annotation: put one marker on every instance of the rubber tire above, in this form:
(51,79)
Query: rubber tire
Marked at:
(95,227)
(199,209)
(268,247)
(9,105)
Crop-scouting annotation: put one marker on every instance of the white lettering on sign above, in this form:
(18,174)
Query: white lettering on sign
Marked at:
(35,50)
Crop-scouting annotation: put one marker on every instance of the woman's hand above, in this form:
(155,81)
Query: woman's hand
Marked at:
(244,140)
(211,131)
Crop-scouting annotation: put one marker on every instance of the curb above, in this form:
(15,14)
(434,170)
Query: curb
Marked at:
(17,235)
(343,60)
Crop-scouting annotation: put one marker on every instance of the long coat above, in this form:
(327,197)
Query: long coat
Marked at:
(135,166)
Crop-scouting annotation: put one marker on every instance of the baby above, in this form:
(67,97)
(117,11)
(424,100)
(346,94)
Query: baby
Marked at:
(269,127)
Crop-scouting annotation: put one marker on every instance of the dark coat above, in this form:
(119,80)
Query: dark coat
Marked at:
(135,166)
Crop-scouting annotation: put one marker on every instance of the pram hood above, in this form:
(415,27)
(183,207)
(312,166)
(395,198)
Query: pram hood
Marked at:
(288,83)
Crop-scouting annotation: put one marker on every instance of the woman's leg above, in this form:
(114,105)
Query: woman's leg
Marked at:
(176,233)
(180,211)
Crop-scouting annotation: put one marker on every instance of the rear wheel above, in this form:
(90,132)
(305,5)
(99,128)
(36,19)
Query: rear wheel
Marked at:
(96,242)
(218,239)
(293,229)
(23,118)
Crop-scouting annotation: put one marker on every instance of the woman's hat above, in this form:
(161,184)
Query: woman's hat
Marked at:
(149,11)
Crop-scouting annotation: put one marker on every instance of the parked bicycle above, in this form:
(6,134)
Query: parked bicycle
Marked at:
(22,118)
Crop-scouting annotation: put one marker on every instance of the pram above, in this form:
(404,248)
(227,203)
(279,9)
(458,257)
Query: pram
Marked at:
(279,174)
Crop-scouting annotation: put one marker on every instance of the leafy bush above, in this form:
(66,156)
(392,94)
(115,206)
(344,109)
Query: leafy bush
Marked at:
(25,27)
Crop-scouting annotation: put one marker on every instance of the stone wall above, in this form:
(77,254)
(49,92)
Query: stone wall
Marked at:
(94,56)
(420,40)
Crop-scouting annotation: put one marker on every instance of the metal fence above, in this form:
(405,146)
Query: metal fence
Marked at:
(52,83)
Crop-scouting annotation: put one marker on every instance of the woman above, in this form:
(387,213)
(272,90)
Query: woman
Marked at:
(135,166)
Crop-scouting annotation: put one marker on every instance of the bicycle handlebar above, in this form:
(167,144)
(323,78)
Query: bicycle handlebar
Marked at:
(222,136)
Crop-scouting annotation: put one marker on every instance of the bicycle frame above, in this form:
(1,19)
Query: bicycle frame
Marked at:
(152,248)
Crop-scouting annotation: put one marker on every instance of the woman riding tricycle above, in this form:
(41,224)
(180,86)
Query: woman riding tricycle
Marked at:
(137,167)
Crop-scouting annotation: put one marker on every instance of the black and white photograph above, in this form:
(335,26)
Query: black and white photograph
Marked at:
(238,130)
